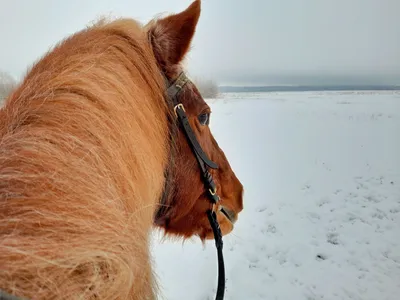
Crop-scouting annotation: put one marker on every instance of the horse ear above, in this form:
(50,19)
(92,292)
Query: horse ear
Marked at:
(171,36)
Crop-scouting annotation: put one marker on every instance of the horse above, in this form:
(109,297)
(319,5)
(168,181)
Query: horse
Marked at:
(93,158)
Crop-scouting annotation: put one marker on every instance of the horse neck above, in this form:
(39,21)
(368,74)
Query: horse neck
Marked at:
(83,152)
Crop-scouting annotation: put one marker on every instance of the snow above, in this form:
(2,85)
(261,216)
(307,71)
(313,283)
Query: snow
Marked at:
(321,216)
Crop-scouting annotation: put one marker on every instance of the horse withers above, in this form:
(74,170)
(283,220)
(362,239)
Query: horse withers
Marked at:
(92,157)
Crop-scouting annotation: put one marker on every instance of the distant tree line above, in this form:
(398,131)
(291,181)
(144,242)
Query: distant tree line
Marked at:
(208,88)
(7,84)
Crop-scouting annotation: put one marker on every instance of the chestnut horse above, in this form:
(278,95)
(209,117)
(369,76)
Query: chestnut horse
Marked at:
(92,157)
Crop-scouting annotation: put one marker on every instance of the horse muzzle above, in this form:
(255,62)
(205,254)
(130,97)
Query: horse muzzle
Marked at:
(229,214)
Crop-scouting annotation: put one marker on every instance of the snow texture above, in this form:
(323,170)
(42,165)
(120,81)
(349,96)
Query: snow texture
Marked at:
(321,217)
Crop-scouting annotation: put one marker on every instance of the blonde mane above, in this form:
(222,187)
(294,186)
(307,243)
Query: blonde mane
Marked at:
(83,147)
(92,158)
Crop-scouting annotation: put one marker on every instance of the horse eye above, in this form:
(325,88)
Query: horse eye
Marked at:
(204,119)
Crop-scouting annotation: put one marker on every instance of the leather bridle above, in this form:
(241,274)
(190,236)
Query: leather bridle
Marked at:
(204,163)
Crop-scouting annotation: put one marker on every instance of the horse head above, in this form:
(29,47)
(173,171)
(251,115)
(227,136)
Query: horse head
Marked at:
(185,200)
(104,137)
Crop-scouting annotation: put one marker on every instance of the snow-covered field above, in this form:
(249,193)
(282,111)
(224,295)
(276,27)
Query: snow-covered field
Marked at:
(321,215)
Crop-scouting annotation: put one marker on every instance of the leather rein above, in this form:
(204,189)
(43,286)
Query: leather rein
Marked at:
(204,162)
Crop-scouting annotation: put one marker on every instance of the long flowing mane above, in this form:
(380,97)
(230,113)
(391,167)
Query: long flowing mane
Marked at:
(83,146)
(104,140)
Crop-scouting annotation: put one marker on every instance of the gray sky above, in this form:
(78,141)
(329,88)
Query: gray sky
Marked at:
(237,42)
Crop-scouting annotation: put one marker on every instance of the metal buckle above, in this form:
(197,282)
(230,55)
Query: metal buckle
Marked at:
(213,192)
(180,105)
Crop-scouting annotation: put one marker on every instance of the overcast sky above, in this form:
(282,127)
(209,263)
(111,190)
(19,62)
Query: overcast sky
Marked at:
(238,41)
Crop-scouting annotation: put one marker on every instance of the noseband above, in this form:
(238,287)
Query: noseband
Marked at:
(204,163)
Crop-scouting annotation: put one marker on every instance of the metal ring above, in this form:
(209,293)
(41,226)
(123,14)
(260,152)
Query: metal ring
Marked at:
(213,207)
